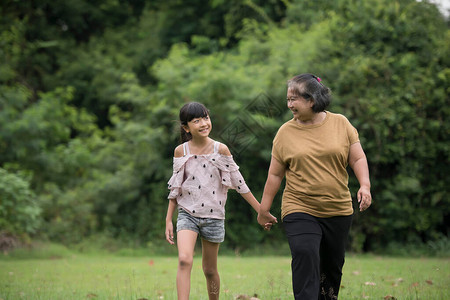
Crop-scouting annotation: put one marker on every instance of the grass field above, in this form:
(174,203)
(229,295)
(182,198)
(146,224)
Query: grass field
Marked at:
(268,277)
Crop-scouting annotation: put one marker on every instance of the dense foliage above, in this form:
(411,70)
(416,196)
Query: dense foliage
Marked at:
(90,92)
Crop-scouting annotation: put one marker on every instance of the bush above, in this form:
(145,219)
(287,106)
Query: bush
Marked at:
(19,211)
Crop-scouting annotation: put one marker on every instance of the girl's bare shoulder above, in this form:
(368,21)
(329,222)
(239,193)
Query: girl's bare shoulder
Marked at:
(178,151)
(223,150)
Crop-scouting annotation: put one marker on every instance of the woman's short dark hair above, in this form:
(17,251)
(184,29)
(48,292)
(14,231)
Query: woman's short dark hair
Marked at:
(188,112)
(310,88)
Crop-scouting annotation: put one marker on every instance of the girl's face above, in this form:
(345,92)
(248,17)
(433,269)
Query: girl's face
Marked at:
(300,107)
(199,127)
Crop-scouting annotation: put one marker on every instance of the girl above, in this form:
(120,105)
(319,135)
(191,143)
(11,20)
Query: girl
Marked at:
(203,171)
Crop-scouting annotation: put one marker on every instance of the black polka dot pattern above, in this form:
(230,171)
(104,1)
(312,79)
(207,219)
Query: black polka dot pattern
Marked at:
(199,177)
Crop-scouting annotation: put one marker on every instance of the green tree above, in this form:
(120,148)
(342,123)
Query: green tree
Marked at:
(393,88)
(90,92)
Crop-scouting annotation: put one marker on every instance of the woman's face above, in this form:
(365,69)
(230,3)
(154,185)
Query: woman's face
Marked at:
(301,108)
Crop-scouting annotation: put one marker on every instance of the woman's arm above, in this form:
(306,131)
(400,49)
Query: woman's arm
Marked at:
(273,182)
(358,162)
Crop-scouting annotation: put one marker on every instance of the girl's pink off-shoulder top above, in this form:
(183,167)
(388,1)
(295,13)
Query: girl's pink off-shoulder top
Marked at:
(200,182)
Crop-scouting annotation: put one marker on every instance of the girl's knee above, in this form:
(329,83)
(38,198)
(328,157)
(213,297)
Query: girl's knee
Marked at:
(210,272)
(185,261)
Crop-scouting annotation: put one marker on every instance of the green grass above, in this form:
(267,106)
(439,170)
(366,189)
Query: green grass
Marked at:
(81,276)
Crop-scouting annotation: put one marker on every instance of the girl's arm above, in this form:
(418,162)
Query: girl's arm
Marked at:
(169,224)
(274,178)
(358,162)
(251,200)
(172,204)
(223,149)
(256,206)
(249,197)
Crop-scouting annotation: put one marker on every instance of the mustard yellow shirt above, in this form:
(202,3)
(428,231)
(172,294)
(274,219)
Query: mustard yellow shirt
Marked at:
(316,157)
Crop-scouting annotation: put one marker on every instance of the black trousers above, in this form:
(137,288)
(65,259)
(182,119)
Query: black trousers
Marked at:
(318,253)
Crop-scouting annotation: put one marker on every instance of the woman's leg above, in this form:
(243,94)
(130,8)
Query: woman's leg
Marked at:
(332,254)
(304,235)
(186,243)
(210,252)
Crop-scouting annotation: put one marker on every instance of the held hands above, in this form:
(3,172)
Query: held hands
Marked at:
(169,232)
(364,198)
(266,220)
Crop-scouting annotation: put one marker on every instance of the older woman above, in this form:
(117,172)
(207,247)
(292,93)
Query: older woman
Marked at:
(313,150)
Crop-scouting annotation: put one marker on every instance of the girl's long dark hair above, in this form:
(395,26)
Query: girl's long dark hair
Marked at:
(188,112)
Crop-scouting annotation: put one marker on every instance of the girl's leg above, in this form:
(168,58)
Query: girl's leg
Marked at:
(332,252)
(186,243)
(209,260)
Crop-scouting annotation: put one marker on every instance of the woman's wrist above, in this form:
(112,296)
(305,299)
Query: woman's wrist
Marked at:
(365,185)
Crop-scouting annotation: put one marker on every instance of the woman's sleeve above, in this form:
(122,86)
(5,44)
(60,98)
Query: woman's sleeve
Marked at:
(229,173)
(277,148)
(175,182)
(352,133)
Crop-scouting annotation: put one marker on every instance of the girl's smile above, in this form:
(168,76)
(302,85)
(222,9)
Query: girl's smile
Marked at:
(204,130)
(200,127)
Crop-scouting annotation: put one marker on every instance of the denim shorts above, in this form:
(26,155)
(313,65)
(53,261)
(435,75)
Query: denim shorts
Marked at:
(212,230)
